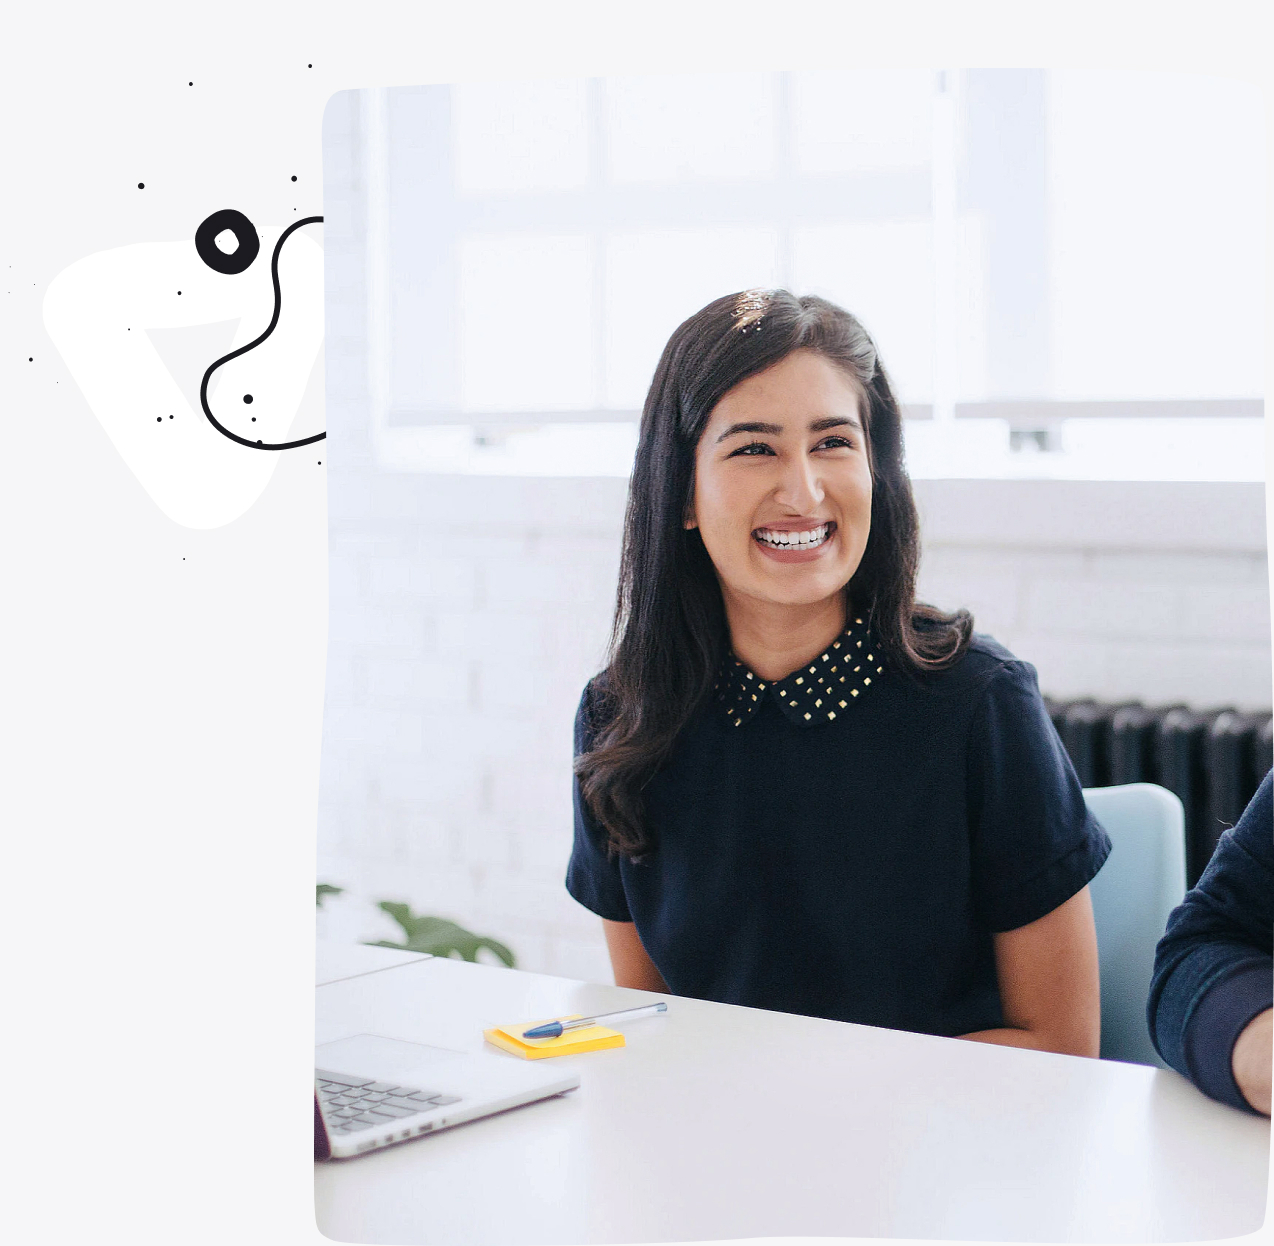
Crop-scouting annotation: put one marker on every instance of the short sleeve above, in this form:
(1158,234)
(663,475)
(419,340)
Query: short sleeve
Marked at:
(1034,843)
(593,874)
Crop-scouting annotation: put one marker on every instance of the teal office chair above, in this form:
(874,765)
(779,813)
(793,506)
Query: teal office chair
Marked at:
(1143,880)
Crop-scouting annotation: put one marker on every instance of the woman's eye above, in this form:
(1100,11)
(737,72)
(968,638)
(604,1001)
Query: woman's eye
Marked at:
(755,447)
(835,443)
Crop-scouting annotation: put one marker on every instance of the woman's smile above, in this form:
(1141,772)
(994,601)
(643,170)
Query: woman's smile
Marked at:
(785,542)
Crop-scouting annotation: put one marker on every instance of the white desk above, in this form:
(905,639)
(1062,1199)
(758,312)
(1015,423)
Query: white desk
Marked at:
(725,1122)
(334,961)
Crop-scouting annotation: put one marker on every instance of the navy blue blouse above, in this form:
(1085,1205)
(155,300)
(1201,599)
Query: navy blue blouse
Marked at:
(844,842)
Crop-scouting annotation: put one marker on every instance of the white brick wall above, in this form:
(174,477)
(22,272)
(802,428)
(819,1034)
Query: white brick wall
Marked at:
(467,613)
(1157,592)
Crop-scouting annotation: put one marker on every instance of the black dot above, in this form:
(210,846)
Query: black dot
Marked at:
(30,359)
(178,291)
(294,177)
(247,398)
(159,419)
(190,84)
(170,417)
(310,66)
(320,462)
(254,419)
(141,185)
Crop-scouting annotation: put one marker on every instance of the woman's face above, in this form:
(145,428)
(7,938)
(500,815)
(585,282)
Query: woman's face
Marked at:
(782,492)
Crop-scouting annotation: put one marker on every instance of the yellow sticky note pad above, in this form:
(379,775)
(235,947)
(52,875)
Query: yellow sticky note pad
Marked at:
(591,1038)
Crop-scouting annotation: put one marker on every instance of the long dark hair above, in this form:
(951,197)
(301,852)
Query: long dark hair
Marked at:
(670,633)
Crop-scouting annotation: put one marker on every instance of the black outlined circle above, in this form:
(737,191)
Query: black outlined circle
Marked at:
(243,350)
(245,234)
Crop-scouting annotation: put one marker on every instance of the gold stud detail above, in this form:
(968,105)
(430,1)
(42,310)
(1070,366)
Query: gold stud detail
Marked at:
(853,692)
(800,679)
(843,704)
(867,681)
(807,717)
(818,702)
(831,714)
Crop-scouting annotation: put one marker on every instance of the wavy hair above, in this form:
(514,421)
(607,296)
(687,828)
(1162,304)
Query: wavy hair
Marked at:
(669,633)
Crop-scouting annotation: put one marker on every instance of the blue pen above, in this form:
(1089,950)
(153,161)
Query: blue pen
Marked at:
(555,1029)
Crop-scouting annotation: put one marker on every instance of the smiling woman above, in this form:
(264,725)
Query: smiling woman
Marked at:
(798,788)
(782,503)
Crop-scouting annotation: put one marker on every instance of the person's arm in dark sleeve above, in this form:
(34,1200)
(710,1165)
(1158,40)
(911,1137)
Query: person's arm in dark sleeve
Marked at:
(1034,848)
(1213,971)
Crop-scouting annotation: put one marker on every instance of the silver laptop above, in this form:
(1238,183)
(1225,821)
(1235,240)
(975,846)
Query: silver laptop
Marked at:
(372,1092)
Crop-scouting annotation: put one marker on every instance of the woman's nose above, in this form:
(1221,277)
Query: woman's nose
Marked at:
(800,487)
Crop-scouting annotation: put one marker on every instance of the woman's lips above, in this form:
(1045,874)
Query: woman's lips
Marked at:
(795,552)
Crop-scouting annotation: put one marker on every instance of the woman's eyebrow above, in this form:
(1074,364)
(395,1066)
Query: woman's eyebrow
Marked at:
(835,421)
(772,430)
(775,430)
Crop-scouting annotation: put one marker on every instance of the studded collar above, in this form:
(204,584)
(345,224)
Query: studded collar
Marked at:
(815,693)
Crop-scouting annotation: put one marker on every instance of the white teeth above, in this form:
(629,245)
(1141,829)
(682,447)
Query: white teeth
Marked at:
(789,540)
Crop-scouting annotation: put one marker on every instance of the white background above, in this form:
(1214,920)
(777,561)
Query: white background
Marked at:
(163,685)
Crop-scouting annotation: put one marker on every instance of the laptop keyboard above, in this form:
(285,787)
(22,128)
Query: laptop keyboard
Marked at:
(354,1103)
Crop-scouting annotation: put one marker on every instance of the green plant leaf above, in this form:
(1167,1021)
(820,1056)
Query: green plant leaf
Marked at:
(323,890)
(499,949)
(438,937)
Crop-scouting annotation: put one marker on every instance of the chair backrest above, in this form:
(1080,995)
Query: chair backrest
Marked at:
(1142,881)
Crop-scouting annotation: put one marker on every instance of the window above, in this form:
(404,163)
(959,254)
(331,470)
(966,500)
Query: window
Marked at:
(1063,270)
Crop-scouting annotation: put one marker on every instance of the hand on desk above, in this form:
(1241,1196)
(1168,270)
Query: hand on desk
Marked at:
(1250,1061)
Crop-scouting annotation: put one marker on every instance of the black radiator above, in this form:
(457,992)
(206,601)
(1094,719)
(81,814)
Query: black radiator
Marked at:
(1214,760)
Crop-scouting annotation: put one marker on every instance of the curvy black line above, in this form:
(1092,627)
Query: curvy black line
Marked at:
(234,354)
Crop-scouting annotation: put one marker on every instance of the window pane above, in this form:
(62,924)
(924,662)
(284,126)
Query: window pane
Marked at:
(1157,196)
(656,278)
(520,136)
(882,272)
(526,316)
(846,122)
